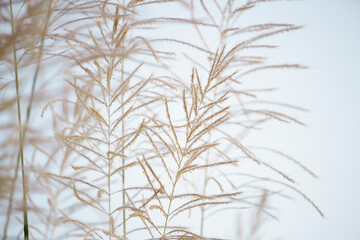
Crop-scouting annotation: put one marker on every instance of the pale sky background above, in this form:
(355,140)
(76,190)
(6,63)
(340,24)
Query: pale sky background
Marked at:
(330,145)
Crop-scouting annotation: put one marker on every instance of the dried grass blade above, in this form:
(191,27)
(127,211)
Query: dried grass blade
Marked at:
(83,168)
(160,155)
(121,118)
(196,167)
(166,145)
(123,168)
(156,191)
(171,125)
(200,205)
(86,202)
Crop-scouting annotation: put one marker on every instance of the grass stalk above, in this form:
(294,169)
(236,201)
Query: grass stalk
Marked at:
(28,111)
(122,135)
(203,208)
(123,160)
(21,148)
(9,210)
(109,160)
(173,190)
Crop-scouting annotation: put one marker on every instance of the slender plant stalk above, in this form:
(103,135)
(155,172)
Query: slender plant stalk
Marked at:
(122,135)
(109,76)
(203,208)
(202,217)
(13,183)
(123,158)
(28,111)
(26,225)
(173,190)
(109,165)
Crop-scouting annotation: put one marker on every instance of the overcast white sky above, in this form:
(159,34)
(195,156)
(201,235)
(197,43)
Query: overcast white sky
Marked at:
(330,46)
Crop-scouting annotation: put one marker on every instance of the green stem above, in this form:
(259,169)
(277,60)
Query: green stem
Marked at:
(8,213)
(123,164)
(26,225)
(109,163)
(122,152)
(202,208)
(28,111)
